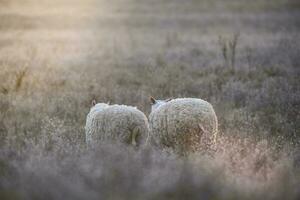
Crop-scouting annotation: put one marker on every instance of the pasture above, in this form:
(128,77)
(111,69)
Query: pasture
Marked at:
(57,56)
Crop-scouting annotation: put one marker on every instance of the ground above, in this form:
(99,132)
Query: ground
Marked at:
(241,56)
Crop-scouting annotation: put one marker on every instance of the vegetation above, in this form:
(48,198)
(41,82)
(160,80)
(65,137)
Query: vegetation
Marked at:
(57,56)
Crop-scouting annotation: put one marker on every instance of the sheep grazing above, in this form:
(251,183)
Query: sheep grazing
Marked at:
(182,125)
(116,123)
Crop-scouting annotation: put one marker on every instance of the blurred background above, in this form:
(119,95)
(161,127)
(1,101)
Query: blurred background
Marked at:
(57,56)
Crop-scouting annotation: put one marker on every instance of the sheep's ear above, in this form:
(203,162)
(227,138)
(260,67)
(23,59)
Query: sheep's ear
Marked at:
(169,99)
(94,102)
(153,101)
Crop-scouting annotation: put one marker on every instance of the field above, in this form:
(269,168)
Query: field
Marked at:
(57,56)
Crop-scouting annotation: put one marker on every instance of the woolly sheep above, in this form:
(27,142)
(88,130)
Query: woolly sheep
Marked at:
(125,124)
(182,125)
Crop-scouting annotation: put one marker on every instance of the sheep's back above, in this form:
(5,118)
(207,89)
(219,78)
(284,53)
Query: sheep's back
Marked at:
(183,124)
(117,123)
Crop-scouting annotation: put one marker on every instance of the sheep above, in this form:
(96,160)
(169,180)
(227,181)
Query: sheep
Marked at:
(116,123)
(182,125)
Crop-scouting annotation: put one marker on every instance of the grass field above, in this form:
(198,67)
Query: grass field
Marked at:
(57,56)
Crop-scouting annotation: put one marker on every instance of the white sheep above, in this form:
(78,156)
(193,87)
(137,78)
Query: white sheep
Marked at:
(121,123)
(182,125)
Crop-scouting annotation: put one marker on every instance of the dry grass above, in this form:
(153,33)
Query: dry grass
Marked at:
(56,56)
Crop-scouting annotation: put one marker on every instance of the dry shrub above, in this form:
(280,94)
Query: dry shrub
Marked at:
(239,168)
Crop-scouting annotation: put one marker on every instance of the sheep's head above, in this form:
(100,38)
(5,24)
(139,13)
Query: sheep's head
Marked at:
(98,106)
(157,103)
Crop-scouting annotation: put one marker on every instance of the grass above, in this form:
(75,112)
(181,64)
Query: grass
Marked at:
(56,57)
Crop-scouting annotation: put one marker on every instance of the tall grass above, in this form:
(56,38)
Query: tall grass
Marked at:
(56,57)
